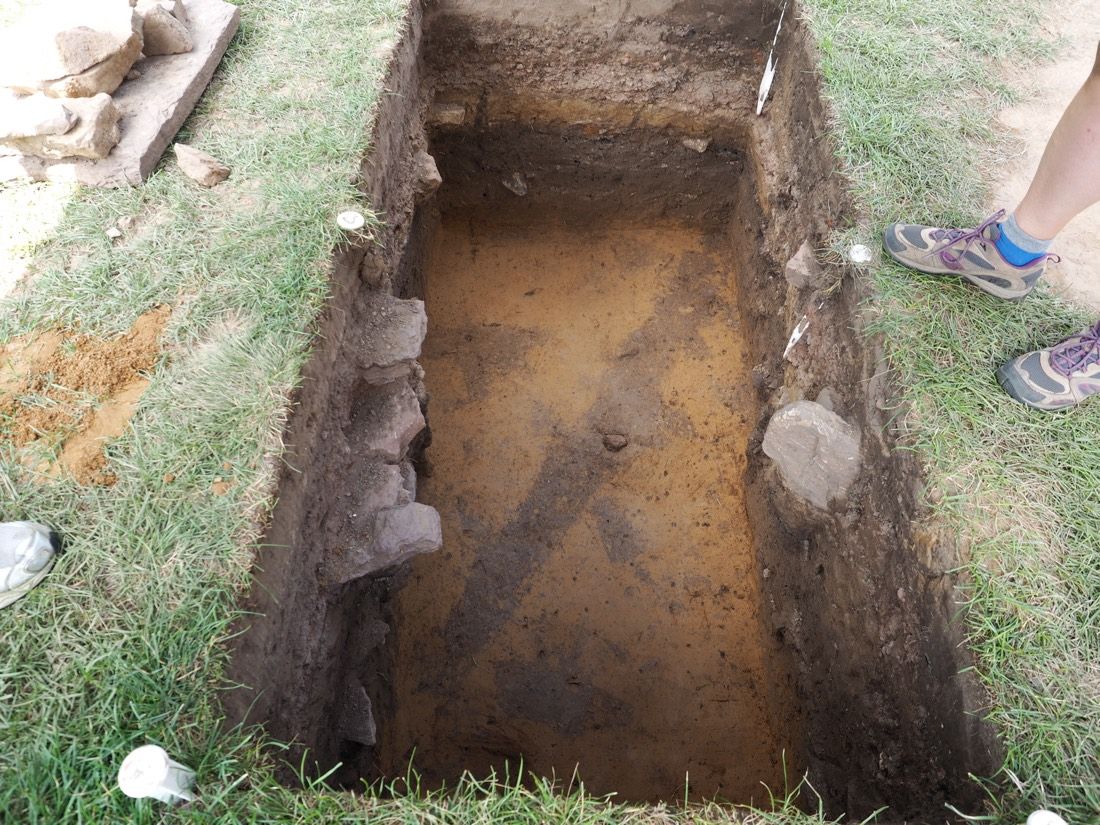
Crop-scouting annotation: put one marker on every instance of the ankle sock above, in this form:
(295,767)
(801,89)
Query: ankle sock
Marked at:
(1018,247)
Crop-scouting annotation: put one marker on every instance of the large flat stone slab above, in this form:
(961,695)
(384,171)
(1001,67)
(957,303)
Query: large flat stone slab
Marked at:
(153,106)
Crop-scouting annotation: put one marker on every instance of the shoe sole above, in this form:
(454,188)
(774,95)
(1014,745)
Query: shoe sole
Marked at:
(14,595)
(987,288)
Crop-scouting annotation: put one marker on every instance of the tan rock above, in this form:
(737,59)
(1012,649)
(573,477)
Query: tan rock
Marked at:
(173,7)
(102,77)
(66,38)
(199,166)
(163,33)
(95,134)
(32,116)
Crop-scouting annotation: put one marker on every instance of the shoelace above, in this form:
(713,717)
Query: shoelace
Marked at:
(951,237)
(1077,352)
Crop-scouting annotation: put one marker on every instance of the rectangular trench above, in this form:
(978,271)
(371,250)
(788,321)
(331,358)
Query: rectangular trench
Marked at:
(596,605)
(625,589)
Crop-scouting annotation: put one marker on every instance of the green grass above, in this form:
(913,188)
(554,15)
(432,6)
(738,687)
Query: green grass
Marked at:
(915,89)
(125,644)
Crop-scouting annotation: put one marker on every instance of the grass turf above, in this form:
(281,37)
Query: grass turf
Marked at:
(123,646)
(915,87)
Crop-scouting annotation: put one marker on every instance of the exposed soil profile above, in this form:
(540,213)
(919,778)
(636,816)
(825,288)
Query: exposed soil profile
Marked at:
(624,582)
(597,600)
(76,392)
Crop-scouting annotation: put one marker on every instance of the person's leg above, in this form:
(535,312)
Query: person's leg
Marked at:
(1068,179)
(1067,182)
(1006,256)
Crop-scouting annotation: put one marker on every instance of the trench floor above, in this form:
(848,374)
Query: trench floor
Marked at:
(593,604)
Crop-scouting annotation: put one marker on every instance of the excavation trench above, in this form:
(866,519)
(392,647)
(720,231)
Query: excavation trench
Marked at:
(625,590)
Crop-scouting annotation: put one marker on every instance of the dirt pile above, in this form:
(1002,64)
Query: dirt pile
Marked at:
(71,393)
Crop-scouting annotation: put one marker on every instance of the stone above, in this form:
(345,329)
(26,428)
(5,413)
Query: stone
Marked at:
(33,116)
(153,107)
(176,8)
(58,41)
(802,270)
(386,422)
(388,341)
(102,77)
(428,179)
(699,145)
(356,720)
(398,533)
(403,532)
(202,168)
(408,482)
(613,442)
(815,450)
(375,485)
(163,33)
(516,184)
(827,398)
(95,134)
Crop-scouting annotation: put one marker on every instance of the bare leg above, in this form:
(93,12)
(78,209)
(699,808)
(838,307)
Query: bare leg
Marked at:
(1068,179)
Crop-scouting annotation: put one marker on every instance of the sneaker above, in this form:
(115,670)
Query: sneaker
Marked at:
(1058,377)
(970,254)
(27,552)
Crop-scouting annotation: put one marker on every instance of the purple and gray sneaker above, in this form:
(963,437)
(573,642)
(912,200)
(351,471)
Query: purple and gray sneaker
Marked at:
(970,254)
(1057,377)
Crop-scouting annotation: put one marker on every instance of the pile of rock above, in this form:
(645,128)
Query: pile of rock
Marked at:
(61,62)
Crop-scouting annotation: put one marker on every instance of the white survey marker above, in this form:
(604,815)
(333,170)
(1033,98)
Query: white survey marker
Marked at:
(769,70)
(796,336)
(149,773)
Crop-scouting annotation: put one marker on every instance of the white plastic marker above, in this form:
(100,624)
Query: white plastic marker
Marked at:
(769,70)
(796,336)
(350,220)
(799,331)
(1045,818)
(149,773)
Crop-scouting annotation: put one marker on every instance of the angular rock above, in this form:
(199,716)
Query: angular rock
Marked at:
(202,168)
(378,485)
(389,340)
(102,77)
(153,107)
(428,179)
(816,451)
(802,270)
(356,720)
(163,33)
(95,134)
(67,38)
(398,534)
(386,422)
(33,116)
(408,482)
(173,7)
(699,145)
(403,532)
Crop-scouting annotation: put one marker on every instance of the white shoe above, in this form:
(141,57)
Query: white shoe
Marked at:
(27,553)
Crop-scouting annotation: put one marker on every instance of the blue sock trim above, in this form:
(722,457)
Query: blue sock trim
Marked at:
(1017,246)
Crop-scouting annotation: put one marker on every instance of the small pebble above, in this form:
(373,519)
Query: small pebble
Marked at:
(615,441)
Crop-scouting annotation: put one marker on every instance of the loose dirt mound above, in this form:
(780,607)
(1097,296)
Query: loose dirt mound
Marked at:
(72,393)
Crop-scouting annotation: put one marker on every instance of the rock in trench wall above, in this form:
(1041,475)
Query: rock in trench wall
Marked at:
(345,521)
(816,451)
